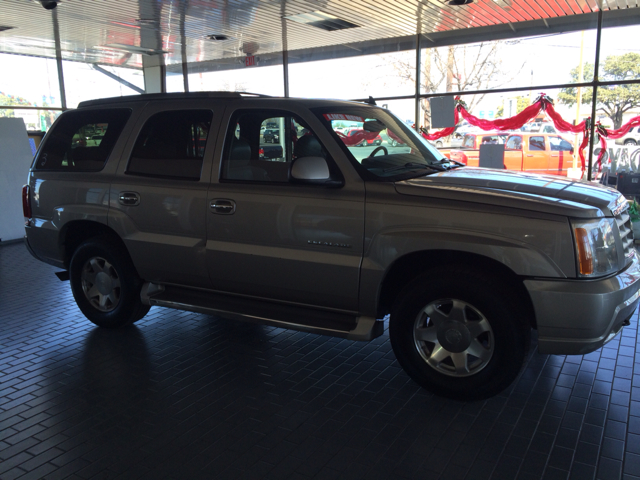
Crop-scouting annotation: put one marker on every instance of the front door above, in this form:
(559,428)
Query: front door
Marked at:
(273,238)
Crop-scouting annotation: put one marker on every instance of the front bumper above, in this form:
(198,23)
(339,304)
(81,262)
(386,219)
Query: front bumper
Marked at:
(575,317)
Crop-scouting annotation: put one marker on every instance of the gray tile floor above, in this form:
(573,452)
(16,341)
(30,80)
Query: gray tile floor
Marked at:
(185,396)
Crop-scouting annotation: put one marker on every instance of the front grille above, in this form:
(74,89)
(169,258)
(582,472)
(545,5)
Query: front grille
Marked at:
(626,235)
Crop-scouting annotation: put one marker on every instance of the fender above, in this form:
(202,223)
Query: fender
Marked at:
(520,255)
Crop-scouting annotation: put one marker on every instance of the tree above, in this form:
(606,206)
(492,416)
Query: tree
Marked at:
(522,103)
(457,69)
(613,100)
(7,100)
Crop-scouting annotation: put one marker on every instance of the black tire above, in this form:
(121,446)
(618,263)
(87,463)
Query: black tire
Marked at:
(105,284)
(629,142)
(475,313)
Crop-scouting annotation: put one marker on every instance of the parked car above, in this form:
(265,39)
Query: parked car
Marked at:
(271,136)
(631,138)
(527,152)
(177,208)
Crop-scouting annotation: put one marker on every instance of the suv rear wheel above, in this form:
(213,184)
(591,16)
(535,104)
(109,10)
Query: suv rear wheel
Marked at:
(105,284)
(457,332)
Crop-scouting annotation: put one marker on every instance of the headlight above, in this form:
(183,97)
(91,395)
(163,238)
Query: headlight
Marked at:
(595,247)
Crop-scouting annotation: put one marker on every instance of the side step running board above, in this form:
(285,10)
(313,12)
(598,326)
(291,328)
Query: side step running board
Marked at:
(294,317)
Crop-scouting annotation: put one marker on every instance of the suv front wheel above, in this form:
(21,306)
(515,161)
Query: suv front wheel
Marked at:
(105,284)
(458,333)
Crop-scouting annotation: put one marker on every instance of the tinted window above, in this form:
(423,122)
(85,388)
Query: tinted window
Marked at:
(171,144)
(82,140)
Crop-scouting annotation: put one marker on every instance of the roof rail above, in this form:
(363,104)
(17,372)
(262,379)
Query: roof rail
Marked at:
(168,96)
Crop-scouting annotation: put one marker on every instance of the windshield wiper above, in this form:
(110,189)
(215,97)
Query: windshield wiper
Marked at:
(446,160)
(409,165)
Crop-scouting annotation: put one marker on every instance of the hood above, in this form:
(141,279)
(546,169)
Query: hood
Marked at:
(542,193)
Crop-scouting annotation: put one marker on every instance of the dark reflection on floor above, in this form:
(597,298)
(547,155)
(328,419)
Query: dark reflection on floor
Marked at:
(182,395)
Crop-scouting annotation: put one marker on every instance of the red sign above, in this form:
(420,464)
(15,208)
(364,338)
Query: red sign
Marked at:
(250,61)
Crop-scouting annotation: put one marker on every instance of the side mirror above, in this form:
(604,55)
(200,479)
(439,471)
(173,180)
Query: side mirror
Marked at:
(310,168)
(571,151)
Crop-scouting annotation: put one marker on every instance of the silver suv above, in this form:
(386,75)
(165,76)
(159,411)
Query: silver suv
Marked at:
(178,204)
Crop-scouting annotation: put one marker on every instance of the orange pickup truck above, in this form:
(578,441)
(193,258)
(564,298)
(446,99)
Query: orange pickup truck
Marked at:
(523,151)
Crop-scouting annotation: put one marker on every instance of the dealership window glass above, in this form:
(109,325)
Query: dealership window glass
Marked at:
(171,144)
(34,120)
(82,82)
(38,88)
(619,52)
(82,140)
(537,147)
(264,75)
(379,76)
(520,62)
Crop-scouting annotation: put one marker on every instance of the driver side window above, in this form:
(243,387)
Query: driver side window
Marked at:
(262,146)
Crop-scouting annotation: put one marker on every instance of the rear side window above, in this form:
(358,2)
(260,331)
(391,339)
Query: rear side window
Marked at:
(82,140)
(469,141)
(171,144)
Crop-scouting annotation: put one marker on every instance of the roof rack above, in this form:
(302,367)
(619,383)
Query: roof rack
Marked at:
(168,96)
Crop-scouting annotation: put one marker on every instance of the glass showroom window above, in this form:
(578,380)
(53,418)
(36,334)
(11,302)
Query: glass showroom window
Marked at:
(405,110)
(34,120)
(521,62)
(622,143)
(383,75)
(535,147)
(40,88)
(82,82)
(260,73)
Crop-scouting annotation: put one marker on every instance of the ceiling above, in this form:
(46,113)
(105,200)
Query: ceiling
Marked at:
(120,32)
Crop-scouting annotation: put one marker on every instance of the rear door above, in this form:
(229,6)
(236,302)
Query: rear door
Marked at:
(561,155)
(159,193)
(271,237)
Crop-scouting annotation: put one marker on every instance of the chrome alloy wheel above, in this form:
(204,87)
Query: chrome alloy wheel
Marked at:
(453,337)
(100,284)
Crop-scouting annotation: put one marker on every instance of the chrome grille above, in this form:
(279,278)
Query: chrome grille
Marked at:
(626,235)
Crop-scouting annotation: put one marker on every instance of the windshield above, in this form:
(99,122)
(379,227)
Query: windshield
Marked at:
(381,146)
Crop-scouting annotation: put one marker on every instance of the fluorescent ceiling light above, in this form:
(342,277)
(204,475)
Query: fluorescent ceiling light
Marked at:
(132,49)
(321,20)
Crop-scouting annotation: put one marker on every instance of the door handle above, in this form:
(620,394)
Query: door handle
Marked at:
(223,206)
(129,199)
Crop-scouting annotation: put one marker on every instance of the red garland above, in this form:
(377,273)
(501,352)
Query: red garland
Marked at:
(542,103)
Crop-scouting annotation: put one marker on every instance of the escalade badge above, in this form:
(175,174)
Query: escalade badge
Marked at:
(328,244)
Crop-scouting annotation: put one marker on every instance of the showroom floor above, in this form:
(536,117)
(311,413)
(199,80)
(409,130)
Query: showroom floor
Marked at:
(185,396)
